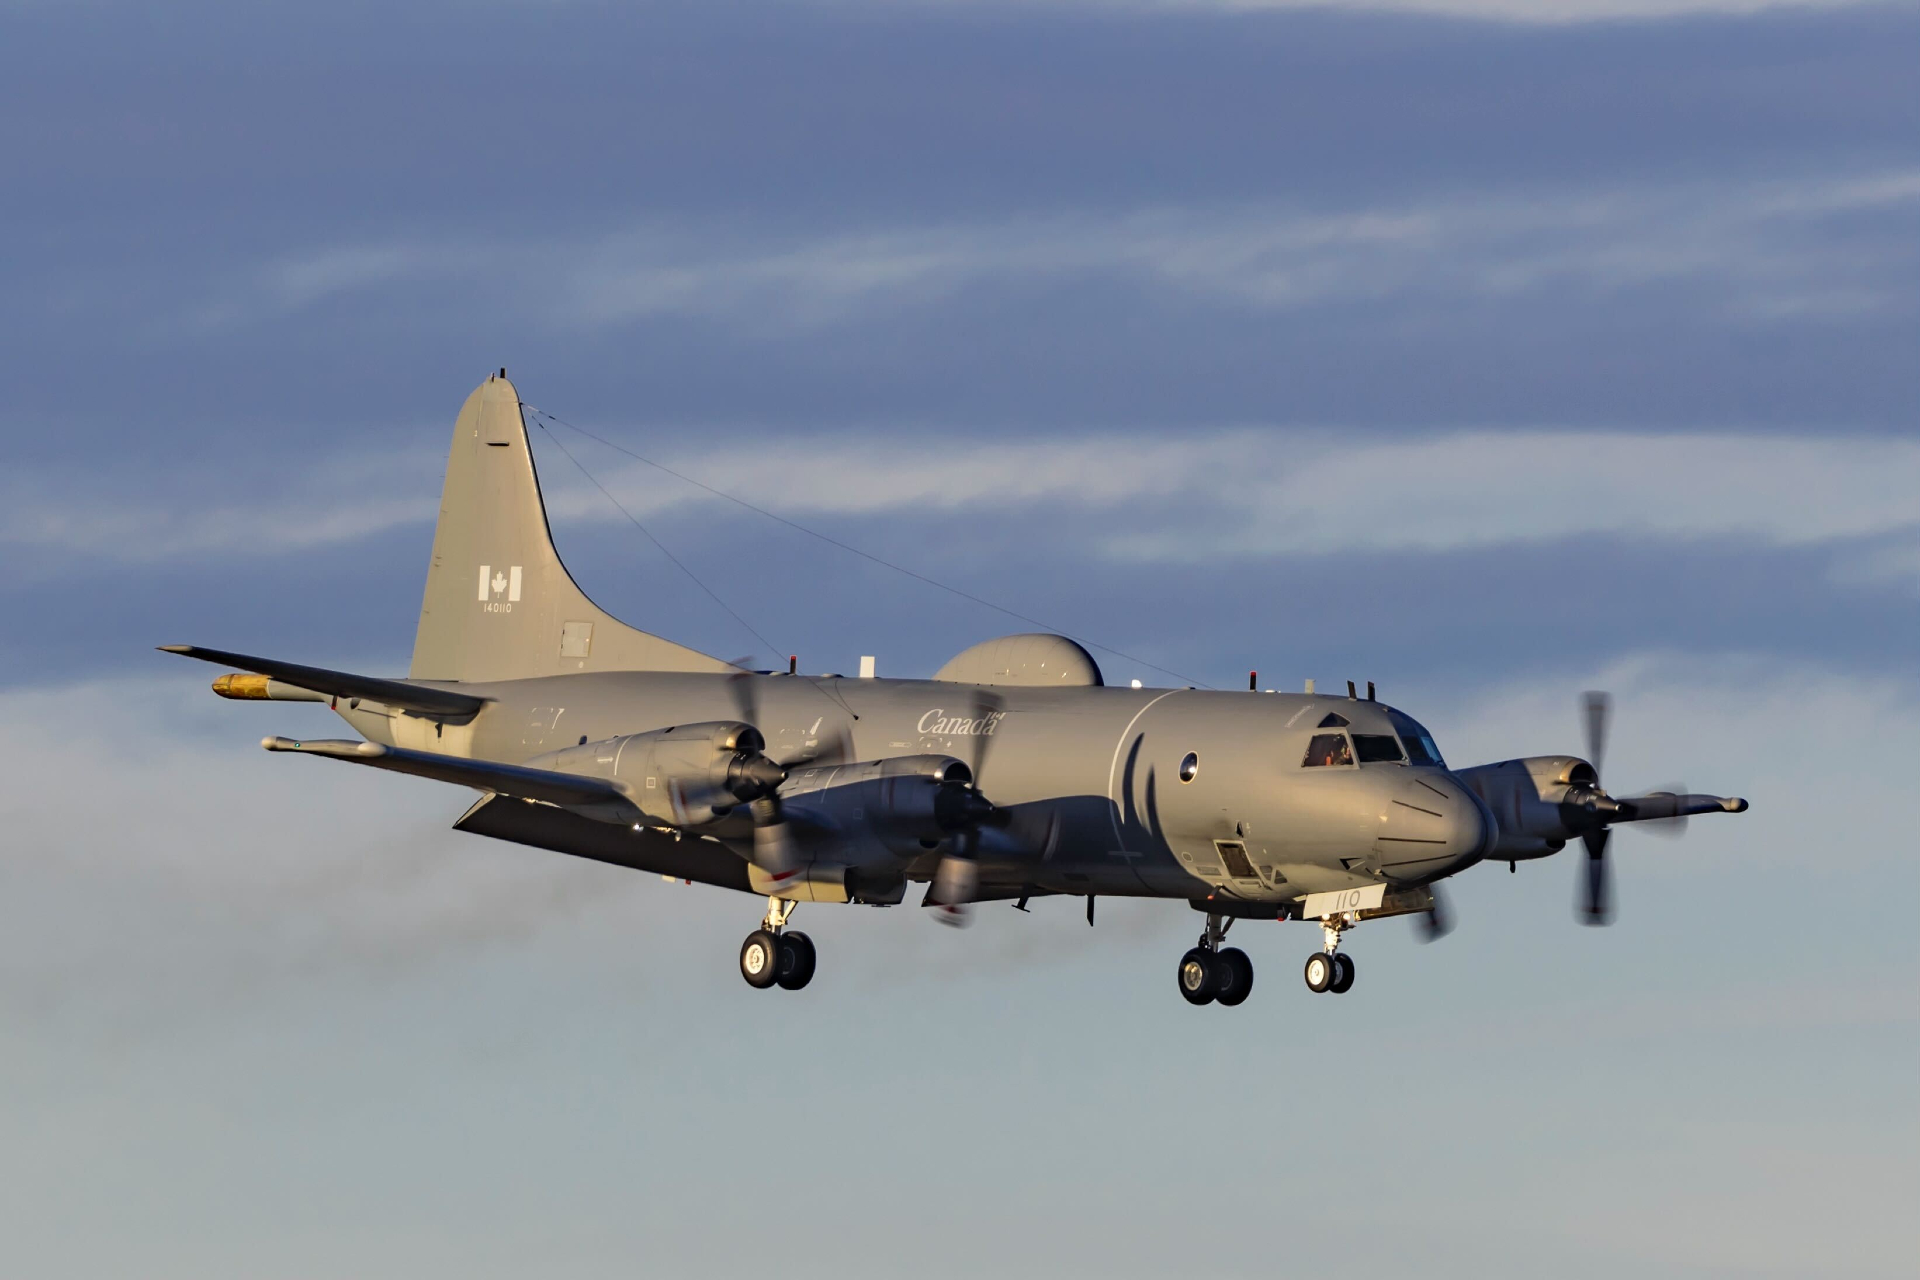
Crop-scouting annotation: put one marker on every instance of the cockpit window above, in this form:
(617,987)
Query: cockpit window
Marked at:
(1328,749)
(1334,720)
(1420,744)
(1422,751)
(1377,748)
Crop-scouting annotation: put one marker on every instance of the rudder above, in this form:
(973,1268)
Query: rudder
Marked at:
(499,605)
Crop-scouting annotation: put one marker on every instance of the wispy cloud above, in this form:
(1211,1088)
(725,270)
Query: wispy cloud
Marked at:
(1294,492)
(211,509)
(1756,252)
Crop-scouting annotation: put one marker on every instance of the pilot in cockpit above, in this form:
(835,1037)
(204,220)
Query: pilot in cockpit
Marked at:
(1328,749)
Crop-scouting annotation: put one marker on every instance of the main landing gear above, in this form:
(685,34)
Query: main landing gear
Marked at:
(1332,969)
(773,957)
(1212,974)
(1209,974)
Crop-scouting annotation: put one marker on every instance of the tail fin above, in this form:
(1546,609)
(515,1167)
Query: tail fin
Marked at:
(499,605)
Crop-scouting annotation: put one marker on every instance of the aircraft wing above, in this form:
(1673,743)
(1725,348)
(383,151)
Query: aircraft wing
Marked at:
(550,786)
(566,831)
(341,684)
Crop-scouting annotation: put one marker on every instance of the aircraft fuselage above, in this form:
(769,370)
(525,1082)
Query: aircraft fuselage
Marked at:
(1092,775)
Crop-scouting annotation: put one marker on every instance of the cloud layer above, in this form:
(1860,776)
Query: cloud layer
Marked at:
(1254,492)
(1758,251)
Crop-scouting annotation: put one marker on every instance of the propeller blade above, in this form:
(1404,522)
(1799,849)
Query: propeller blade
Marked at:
(1596,896)
(987,708)
(954,883)
(774,849)
(745,694)
(1598,709)
(1436,922)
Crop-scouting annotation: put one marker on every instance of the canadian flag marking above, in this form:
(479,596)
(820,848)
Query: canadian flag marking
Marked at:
(497,582)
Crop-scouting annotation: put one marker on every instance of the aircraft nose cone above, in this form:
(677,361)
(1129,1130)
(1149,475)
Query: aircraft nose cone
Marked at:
(1430,825)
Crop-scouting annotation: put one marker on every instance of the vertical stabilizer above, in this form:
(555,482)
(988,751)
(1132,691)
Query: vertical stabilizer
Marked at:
(499,605)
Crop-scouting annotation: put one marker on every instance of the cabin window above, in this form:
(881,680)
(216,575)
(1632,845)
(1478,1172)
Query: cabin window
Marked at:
(1189,767)
(1378,748)
(1328,749)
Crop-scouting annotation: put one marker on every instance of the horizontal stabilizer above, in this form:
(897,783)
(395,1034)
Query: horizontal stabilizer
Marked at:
(546,785)
(340,684)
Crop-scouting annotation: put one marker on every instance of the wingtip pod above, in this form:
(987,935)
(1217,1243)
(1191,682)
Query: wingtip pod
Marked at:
(1734,804)
(258,688)
(338,748)
(241,687)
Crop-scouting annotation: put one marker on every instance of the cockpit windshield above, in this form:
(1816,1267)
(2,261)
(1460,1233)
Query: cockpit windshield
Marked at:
(1419,743)
(1377,748)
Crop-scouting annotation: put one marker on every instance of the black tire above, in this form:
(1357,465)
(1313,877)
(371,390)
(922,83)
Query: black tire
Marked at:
(1233,976)
(760,959)
(1198,976)
(1320,971)
(1342,974)
(796,961)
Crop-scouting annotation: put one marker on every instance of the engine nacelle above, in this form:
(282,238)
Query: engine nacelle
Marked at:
(683,776)
(904,806)
(1526,797)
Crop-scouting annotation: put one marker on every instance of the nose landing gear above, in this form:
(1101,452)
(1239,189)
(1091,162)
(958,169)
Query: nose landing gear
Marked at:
(1209,974)
(771,956)
(1331,969)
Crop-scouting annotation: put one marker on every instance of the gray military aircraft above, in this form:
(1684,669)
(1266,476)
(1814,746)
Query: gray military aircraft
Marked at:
(1015,772)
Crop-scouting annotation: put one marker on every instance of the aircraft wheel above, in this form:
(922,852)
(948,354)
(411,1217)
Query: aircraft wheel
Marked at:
(1342,973)
(1320,971)
(796,961)
(1197,977)
(1233,976)
(760,959)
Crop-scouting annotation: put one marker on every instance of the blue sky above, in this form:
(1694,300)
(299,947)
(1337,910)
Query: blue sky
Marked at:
(1488,350)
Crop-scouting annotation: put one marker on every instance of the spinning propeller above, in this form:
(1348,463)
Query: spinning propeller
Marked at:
(961,809)
(1590,811)
(1436,922)
(774,849)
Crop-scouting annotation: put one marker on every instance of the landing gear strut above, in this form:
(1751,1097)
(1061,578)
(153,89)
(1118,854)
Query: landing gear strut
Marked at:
(1209,974)
(771,956)
(1331,969)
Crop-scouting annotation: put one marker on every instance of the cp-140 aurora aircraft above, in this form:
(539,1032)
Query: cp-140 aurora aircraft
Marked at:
(1015,772)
